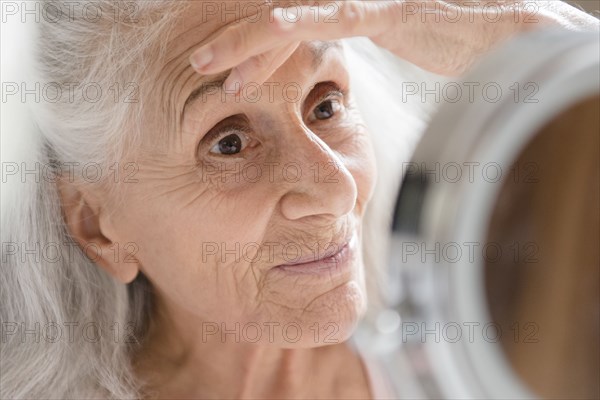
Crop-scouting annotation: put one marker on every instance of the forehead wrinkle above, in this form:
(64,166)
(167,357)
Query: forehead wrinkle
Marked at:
(213,26)
(180,59)
(168,100)
(316,48)
(170,92)
(217,81)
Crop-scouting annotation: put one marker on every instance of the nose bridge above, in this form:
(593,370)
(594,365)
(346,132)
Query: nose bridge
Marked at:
(317,181)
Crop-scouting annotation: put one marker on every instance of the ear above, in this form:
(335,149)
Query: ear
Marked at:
(85,222)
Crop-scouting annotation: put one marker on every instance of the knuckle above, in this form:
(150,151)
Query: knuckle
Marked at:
(260,61)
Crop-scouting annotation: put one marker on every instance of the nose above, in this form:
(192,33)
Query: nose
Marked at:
(319,182)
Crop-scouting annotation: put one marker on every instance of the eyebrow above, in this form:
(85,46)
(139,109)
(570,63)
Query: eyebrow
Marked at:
(317,49)
(199,92)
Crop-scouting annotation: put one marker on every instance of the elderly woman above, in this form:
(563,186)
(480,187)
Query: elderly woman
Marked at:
(218,254)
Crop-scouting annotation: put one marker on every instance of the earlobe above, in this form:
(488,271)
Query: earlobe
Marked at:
(83,223)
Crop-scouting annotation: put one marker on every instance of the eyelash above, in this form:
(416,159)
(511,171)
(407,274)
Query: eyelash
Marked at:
(335,91)
(331,91)
(333,95)
(214,137)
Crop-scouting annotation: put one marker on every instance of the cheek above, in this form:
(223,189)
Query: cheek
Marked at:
(188,249)
(359,158)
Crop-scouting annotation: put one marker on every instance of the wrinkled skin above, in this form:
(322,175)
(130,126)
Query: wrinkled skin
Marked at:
(212,217)
(445,37)
(210,234)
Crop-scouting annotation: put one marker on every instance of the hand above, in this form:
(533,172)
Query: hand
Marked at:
(445,38)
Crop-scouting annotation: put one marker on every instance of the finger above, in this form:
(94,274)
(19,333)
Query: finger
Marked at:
(331,21)
(237,40)
(258,69)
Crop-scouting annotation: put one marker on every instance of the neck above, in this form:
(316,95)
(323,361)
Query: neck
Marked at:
(179,359)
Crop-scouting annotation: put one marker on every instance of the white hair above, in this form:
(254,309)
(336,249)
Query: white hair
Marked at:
(59,289)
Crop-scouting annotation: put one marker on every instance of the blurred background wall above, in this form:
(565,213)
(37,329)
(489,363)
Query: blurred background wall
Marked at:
(591,6)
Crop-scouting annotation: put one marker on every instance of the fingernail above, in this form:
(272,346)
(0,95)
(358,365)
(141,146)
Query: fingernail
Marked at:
(233,83)
(201,58)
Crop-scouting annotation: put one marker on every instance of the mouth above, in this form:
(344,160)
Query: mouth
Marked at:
(337,259)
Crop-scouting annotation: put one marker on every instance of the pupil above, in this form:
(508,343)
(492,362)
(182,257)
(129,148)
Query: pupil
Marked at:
(324,110)
(231,144)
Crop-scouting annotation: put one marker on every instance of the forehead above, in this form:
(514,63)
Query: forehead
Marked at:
(176,84)
(203,20)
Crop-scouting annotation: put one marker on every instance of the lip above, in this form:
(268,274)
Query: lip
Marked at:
(328,264)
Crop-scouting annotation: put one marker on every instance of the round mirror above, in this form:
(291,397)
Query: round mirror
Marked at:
(543,289)
(494,257)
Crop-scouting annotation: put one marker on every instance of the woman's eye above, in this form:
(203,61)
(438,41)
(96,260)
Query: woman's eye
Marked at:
(232,144)
(325,110)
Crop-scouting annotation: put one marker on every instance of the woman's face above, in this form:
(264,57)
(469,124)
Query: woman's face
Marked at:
(231,189)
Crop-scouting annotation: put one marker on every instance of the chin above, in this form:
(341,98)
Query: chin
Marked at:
(312,310)
(331,318)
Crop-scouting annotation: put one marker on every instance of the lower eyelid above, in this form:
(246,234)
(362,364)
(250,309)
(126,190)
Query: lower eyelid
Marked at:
(250,144)
(211,138)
